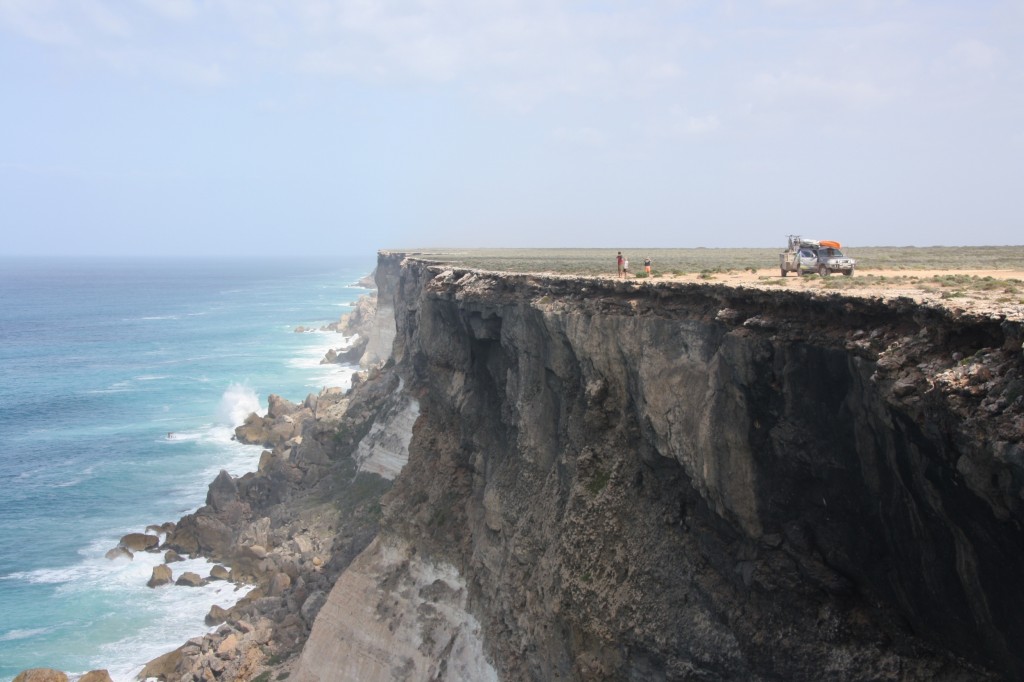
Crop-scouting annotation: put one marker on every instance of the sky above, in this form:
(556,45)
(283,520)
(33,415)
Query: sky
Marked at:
(323,127)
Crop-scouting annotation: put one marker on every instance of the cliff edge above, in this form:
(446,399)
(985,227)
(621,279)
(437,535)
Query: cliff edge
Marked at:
(610,480)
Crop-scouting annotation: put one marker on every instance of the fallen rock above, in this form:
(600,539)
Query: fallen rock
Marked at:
(102,675)
(254,430)
(279,407)
(227,646)
(139,542)
(216,615)
(119,553)
(161,576)
(218,572)
(190,579)
(222,492)
(170,556)
(257,551)
(278,584)
(162,667)
(41,675)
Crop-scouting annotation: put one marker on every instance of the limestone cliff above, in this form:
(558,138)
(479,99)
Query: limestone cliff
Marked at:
(609,480)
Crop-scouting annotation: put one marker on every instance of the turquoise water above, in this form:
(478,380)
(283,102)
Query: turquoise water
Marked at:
(120,385)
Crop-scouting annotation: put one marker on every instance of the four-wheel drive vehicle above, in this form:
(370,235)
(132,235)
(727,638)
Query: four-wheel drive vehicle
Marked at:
(831,259)
(813,256)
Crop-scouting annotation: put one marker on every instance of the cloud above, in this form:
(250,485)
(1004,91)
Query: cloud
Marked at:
(975,54)
(35,20)
(789,86)
(178,10)
(584,136)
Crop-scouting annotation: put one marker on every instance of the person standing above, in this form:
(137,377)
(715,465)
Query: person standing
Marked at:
(618,263)
(625,267)
(647,266)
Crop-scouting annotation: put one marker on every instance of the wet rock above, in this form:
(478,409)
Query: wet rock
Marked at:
(219,572)
(255,430)
(139,542)
(161,575)
(96,676)
(170,557)
(190,579)
(119,553)
(163,667)
(216,615)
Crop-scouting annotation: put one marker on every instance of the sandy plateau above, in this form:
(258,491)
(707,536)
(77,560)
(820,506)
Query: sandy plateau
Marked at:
(1005,297)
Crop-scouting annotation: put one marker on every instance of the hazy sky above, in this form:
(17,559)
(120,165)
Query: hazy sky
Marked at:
(264,127)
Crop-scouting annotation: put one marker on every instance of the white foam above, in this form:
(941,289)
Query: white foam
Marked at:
(174,613)
(236,404)
(13,635)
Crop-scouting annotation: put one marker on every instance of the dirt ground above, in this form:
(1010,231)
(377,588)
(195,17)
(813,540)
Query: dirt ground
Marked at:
(992,292)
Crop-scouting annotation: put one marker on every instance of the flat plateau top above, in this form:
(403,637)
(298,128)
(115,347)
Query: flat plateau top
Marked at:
(985,280)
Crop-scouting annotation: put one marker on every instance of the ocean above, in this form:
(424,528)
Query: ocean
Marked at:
(121,382)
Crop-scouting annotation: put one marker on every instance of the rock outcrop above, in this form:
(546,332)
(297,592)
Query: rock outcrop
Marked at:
(544,477)
(681,482)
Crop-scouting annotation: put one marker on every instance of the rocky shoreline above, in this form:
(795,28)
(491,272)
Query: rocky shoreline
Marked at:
(283,532)
(608,481)
(289,528)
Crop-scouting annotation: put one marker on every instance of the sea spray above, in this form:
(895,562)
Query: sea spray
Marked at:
(237,403)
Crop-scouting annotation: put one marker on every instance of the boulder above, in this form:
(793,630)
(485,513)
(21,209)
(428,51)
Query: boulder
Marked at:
(119,553)
(163,667)
(227,647)
(223,491)
(218,572)
(190,579)
(312,605)
(330,357)
(139,542)
(255,430)
(161,576)
(102,675)
(200,533)
(41,675)
(279,407)
(257,551)
(216,616)
(170,556)
(279,584)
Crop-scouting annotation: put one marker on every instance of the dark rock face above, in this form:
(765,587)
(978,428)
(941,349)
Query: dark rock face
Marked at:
(638,486)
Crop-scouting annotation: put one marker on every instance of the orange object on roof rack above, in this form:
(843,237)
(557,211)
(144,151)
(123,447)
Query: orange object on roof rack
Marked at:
(827,243)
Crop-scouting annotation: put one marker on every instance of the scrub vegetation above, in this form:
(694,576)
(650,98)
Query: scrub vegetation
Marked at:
(701,260)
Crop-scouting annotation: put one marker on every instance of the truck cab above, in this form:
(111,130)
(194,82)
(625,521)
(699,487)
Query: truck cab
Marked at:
(831,259)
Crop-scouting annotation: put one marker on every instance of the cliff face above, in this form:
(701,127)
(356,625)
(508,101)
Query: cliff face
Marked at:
(608,480)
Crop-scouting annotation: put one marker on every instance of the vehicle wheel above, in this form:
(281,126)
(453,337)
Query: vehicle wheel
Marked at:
(823,271)
(848,273)
(783,271)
